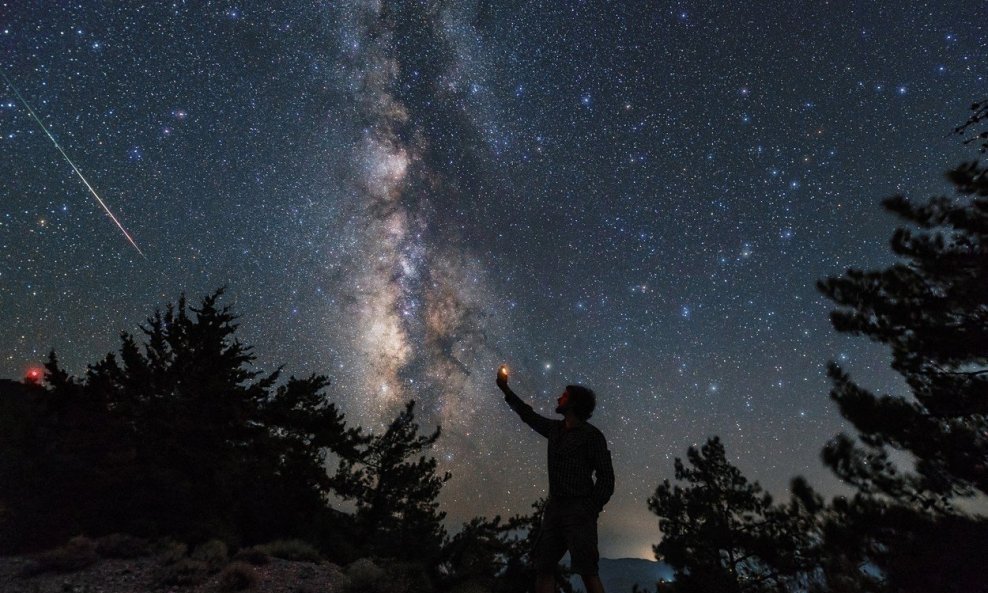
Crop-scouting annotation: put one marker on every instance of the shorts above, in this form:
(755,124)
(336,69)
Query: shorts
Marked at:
(567,524)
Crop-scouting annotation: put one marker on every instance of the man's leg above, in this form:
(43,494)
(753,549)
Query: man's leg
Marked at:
(548,551)
(582,541)
(545,582)
(591,583)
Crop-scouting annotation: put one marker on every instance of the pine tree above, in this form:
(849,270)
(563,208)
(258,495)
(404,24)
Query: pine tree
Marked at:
(931,310)
(976,125)
(722,533)
(396,494)
(495,555)
(179,436)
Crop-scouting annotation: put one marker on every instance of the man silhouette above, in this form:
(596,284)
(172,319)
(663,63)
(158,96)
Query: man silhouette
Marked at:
(577,450)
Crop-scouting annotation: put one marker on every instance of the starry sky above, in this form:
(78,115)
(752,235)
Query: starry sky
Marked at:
(637,196)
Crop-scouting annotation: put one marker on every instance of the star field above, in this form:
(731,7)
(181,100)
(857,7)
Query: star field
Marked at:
(638,197)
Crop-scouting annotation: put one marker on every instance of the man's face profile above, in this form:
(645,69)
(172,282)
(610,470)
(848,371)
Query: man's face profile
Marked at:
(562,403)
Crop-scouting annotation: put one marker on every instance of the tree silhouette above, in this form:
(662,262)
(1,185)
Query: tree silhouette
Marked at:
(176,436)
(977,120)
(722,533)
(496,555)
(397,515)
(931,310)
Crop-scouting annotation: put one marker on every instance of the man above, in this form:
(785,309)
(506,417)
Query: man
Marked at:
(577,449)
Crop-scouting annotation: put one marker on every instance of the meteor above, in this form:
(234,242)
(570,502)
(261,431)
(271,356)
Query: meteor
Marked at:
(69,161)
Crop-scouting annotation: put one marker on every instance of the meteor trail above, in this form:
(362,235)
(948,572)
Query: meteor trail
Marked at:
(74,168)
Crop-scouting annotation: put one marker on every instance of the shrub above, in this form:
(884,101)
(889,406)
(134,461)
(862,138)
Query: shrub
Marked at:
(237,576)
(291,549)
(184,572)
(214,553)
(77,554)
(170,551)
(364,575)
(121,545)
(254,555)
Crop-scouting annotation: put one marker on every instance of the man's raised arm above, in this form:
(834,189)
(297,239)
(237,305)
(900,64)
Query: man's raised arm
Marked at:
(539,423)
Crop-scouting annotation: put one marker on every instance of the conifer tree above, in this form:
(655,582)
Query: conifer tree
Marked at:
(178,436)
(495,555)
(931,310)
(975,126)
(395,487)
(723,533)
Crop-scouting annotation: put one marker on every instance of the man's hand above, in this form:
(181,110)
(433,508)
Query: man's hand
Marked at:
(502,377)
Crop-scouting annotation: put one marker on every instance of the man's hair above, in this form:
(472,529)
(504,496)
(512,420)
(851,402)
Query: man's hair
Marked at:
(583,401)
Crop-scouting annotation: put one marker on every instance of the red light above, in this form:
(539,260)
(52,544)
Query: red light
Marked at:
(34,375)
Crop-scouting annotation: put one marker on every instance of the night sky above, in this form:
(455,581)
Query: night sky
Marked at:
(634,196)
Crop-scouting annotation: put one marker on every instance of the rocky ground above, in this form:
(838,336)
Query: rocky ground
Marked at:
(150,574)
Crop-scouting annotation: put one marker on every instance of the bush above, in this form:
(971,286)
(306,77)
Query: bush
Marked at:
(291,549)
(77,554)
(254,555)
(121,545)
(237,576)
(184,572)
(214,553)
(364,575)
(170,551)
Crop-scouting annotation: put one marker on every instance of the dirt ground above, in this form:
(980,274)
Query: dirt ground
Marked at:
(143,574)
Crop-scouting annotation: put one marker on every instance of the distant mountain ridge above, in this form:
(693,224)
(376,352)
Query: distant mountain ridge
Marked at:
(620,574)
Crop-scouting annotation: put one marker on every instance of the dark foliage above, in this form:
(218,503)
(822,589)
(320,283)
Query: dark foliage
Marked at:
(237,576)
(79,553)
(253,555)
(395,488)
(722,533)
(496,554)
(873,545)
(975,126)
(214,553)
(295,550)
(120,545)
(174,436)
(184,572)
(931,310)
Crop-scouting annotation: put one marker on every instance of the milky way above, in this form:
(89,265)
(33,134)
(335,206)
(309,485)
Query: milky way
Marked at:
(417,296)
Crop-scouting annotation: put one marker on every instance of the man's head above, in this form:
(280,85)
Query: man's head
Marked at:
(579,399)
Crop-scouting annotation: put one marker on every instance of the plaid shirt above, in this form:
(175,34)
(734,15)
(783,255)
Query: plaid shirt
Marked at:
(574,455)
